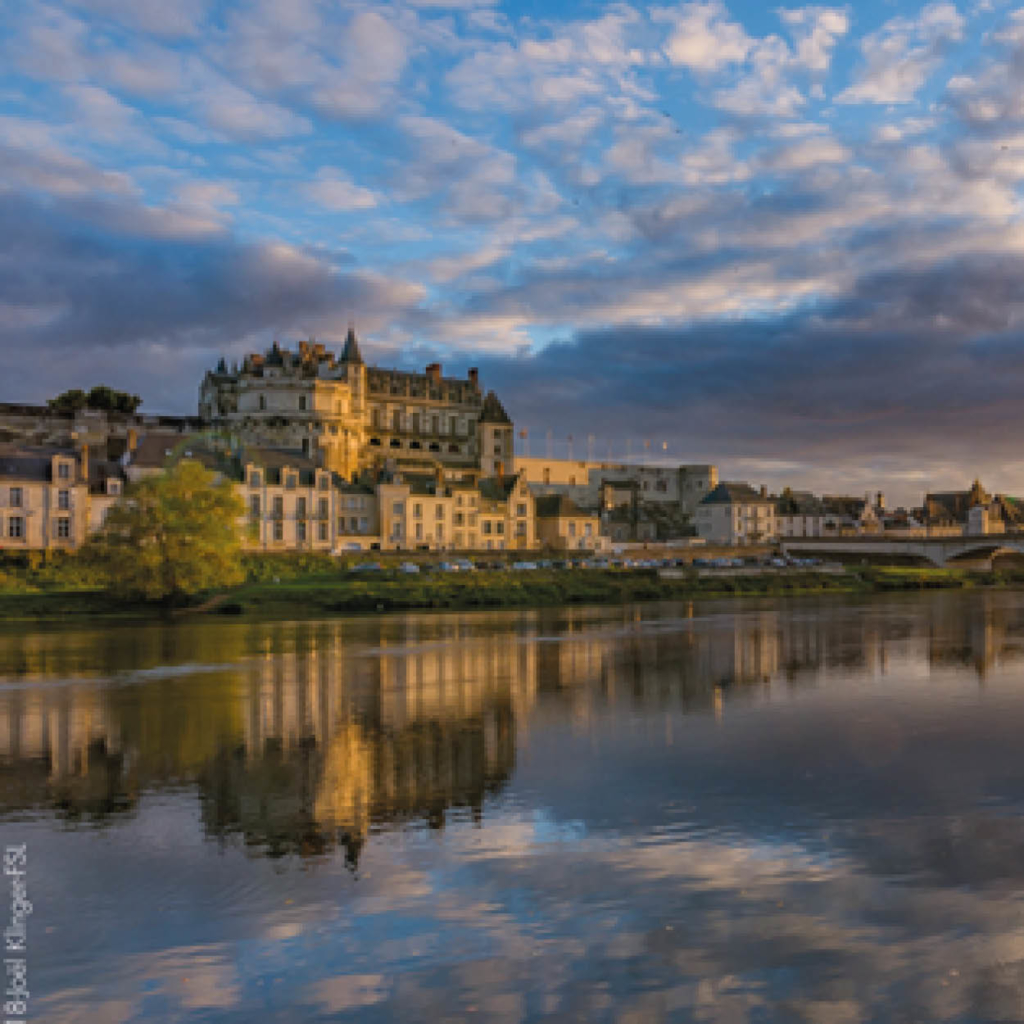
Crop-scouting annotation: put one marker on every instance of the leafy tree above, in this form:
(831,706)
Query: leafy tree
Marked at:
(100,397)
(172,536)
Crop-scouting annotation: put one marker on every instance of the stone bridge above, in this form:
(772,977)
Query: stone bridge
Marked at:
(966,552)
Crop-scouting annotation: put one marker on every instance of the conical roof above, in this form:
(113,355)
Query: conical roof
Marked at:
(492,411)
(350,353)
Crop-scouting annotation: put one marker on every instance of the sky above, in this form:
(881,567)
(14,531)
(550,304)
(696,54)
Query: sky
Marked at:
(787,240)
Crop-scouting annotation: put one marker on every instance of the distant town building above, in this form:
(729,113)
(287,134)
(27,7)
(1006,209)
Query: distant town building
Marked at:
(736,514)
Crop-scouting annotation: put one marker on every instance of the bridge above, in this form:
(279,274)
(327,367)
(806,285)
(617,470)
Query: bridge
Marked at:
(966,552)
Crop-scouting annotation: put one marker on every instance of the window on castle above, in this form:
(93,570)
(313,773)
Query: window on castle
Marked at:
(396,442)
(63,471)
(300,530)
(323,508)
(325,482)
(278,530)
(396,420)
(63,528)
(255,478)
(64,499)
(417,510)
(323,531)
(439,512)
(291,481)
(302,403)
(15,526)
(254,506)
(262,402)
(16,498)
(278,507)
(300,508)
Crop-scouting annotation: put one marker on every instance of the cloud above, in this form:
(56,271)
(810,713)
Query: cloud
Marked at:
(901,56)
(703,38)
(334,191)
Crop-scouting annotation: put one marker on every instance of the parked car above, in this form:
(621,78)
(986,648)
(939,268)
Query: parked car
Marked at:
(409,567)
(367,567)
(464,565)
(521,566)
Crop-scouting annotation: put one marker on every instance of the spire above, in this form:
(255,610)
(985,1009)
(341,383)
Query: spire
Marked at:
(492,411)
(350,353)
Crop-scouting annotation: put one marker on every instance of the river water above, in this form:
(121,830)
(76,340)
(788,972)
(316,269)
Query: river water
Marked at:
(800,811)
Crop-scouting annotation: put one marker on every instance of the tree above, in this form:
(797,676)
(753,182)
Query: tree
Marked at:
(172,536)
(100,397)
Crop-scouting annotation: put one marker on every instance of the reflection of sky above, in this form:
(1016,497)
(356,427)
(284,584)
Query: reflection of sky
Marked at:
(845,846)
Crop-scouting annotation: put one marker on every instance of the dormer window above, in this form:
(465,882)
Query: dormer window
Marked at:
(291,481)
(255,478)
(63,471)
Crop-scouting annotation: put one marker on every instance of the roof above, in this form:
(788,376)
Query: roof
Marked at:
(350,353)
(27,464)
(492,411)
(497,488)
(799,503)
(727,493)
(558,506)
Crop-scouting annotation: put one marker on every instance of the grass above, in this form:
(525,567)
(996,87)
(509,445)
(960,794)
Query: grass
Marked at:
(313,586)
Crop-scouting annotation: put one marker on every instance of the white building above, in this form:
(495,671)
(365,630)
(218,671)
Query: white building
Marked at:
(734,513)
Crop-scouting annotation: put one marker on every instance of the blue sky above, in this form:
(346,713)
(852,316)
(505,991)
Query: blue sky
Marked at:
(786,239)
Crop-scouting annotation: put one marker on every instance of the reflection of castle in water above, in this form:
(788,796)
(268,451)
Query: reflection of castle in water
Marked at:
(297,735)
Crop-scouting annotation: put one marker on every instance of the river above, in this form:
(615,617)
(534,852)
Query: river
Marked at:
(804,810)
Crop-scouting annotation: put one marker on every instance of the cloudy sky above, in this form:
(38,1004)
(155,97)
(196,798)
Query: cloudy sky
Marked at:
(784,239)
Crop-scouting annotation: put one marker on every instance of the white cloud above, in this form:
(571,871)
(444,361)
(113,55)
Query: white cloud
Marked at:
(900,57)
(703,38)
(816,30)
(333,190)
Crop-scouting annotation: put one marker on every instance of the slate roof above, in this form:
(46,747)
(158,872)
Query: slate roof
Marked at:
(799,503)
(492,411)
(350,353)
(727,493)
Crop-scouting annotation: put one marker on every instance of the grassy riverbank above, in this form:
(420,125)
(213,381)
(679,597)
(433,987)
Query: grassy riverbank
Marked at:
(313,589)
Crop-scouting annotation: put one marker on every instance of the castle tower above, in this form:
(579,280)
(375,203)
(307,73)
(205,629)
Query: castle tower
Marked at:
(497,457)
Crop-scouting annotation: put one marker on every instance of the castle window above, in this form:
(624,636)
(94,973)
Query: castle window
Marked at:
(323,508)
(291,481)
(278,507)
(396,442)
(302,403)
(325,482)
(300,530)
(439,512)
(63,471)
(255,478)
(64,499)
(263,402)
(300,508)
(453,448)
(434,446)
(63,528)
(396,420)
(417,510)
(341,524)
(15,526)
(375,441)
(16,499)
(254,506)
(323,531)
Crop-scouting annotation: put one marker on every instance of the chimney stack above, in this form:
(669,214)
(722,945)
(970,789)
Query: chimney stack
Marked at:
(133,439)
(474,376)
(83,462)
(434,372)
(880,500)
(764,490)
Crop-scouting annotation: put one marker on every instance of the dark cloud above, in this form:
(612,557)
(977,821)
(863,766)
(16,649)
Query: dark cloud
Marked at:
(92,283)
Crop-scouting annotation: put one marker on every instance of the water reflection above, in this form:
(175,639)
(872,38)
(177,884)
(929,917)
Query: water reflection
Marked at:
(807,811)
(297,735)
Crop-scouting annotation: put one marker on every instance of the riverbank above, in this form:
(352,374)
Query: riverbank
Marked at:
(320,595)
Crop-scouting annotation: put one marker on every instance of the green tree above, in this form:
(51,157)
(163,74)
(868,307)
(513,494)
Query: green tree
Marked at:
(99,397)
(172,536)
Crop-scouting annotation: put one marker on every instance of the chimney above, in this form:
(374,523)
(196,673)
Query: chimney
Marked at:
(434,372)
(474,376)
(133,439)
(880,500)
(83,462)
(764,490)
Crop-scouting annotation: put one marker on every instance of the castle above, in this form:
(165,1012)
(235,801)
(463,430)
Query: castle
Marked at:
(350,417)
